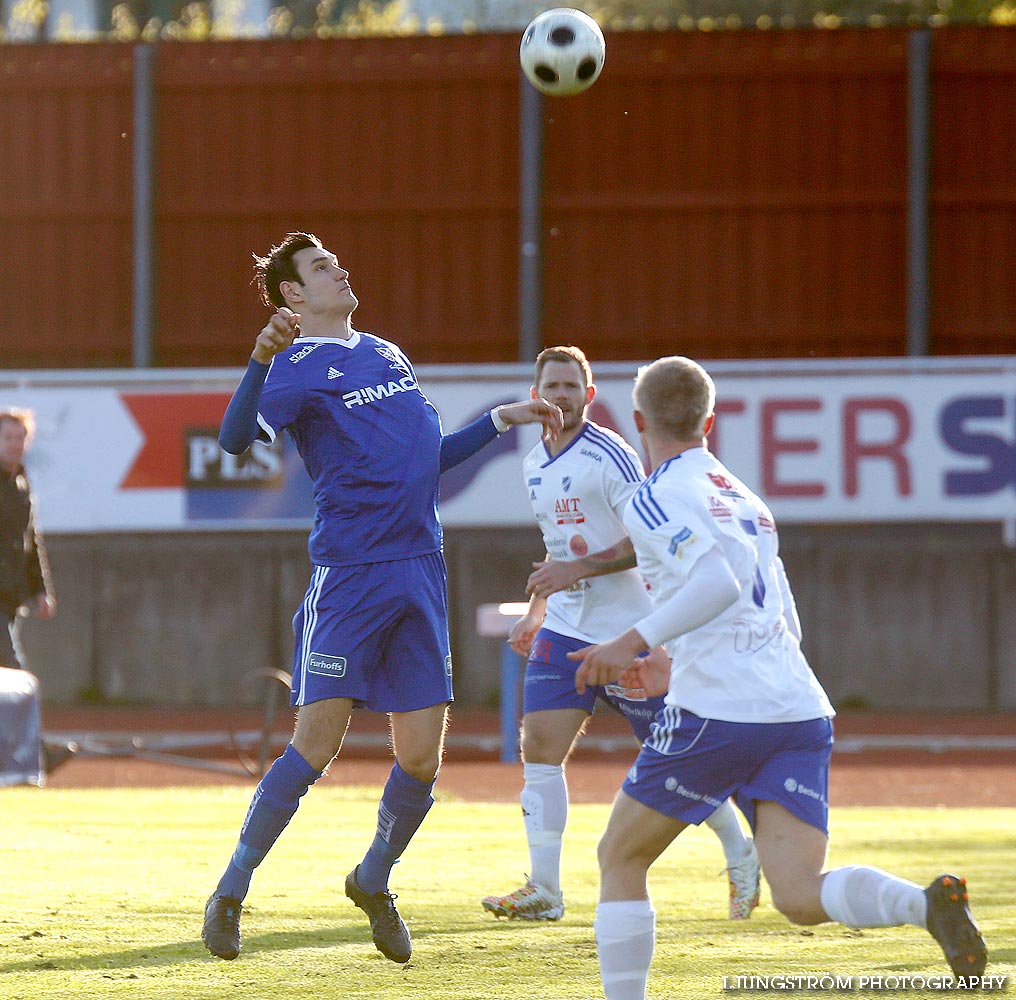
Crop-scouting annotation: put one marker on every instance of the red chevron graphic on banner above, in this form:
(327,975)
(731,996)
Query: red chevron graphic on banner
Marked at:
(164,420)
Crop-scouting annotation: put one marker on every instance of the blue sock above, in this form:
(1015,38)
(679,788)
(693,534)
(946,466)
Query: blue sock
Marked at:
(275,801)
(404,803)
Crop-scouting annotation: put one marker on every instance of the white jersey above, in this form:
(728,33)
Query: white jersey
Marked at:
(579,497)
(746,665)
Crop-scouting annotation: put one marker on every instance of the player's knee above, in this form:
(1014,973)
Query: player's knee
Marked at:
(421,765)
(612,852)
(603,854)
(548,738)
(536,751)
(797,906)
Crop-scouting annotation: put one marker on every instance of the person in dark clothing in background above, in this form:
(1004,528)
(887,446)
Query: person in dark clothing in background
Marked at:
(24,573)
(25,587)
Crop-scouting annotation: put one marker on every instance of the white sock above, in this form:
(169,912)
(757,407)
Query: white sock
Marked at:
(859,896)
(723,822)
(625,936)
(544,799)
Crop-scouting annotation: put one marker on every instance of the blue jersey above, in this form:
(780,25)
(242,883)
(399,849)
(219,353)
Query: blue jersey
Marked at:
(370,441)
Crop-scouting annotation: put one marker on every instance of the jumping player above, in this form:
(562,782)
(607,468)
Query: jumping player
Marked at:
(744,715)
(373,628)
(586,591)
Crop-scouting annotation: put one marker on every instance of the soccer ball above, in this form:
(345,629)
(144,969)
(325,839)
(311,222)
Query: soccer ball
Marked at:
(562,51)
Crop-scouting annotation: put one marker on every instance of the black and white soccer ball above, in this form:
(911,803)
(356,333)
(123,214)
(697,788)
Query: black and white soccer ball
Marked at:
(562,51)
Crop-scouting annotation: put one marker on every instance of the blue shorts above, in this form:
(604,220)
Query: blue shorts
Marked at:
(376,633)
(550,685)
(689,765)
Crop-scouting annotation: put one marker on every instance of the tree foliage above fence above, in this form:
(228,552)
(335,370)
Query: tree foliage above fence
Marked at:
(199,20)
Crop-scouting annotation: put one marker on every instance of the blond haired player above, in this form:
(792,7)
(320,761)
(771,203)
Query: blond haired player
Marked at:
(745,716)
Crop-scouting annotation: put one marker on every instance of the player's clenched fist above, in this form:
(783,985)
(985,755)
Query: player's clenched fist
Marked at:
(277,335)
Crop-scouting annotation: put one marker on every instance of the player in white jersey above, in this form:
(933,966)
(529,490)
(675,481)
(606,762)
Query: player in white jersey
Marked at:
(744,715)
(586,591)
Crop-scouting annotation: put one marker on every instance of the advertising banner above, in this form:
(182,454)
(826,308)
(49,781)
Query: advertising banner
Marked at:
(829,441)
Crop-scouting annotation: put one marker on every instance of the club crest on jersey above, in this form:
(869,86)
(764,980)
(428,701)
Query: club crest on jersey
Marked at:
(677,544)
(566,483)
(389,355)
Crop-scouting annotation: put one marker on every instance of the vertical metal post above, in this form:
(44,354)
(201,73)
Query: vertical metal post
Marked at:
(918,197)
(530,220)
(511,664)
(143,308)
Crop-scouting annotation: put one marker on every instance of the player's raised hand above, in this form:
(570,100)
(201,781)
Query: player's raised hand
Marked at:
(534,411)
(277,335)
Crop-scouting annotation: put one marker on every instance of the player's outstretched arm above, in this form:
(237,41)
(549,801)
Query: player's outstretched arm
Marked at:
(240,423)
(711,589)
(466,441)
(559,574)
(534,411)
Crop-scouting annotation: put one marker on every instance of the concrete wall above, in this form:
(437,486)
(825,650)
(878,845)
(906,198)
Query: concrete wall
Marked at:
(910,617)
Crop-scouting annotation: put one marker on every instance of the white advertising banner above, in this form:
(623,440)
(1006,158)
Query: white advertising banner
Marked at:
(826,441)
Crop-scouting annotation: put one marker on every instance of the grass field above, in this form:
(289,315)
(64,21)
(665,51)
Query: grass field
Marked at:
(103,890)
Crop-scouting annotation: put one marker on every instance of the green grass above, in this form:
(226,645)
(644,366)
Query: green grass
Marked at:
(102,891)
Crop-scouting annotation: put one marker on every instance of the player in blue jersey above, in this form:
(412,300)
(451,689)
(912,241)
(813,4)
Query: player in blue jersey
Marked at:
(744,714)
(586,591)
(373,628)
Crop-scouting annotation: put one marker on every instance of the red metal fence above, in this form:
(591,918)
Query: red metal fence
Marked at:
(735,194)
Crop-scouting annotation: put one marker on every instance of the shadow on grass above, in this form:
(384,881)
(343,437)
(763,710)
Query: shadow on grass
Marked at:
(182,951)
(142,957)
(998,958)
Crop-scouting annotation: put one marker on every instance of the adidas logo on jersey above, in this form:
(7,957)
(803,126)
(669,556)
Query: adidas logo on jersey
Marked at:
(333,373)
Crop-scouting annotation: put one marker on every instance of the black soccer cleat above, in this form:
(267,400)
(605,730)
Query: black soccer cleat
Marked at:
(221,930)
(390,934)
(952,925)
